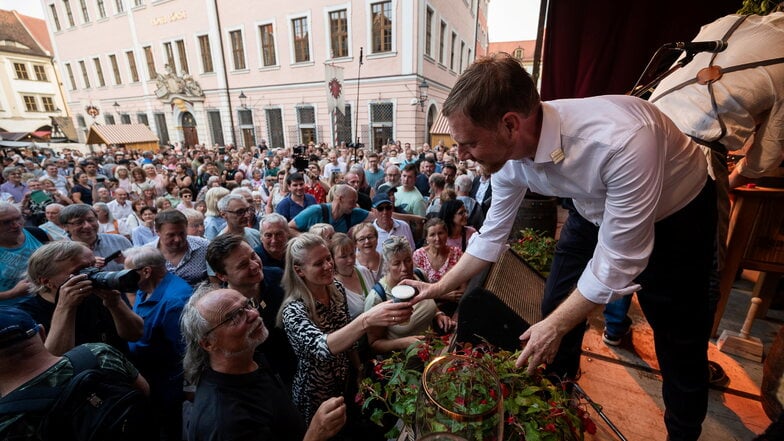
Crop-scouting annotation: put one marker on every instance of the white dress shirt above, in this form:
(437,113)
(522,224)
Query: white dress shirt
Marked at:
(625,165)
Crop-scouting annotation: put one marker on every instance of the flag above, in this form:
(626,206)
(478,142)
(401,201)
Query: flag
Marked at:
(334,80)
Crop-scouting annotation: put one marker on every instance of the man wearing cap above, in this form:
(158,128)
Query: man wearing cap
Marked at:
(387,226)
(25,363)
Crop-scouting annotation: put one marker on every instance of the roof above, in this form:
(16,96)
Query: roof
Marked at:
(20,136)
(37,28)
(13,31)
(509,47)
(66,126)
(440,126)
(120,134)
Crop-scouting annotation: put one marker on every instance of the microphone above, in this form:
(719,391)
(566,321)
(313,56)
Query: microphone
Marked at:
(698,46)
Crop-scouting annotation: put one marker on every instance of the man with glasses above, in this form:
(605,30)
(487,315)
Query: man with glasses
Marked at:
(81,223)
(158,353)
(17,244)
(238,266)
(236,396)
(275,234)
(391,177)
(385,225)
(373,173)
(13,184)
(238,214)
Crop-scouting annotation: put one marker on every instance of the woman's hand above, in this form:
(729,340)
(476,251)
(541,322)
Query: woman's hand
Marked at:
(444,322)
(388,313)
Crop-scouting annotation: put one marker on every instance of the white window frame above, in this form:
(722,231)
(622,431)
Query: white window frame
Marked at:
(292,51)
(259,44)
(328,32)
(197,44)
(369,30)
(228,32)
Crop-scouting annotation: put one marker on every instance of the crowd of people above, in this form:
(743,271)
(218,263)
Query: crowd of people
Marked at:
(303,257)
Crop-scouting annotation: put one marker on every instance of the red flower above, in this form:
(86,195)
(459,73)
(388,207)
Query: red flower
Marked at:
(460,401)
(550,427)
(358,398)
(493,395)
(590,426)
(379,370)
(423,354)
(511,419)
(505,390)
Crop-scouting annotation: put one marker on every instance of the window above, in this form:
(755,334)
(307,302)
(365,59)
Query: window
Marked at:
(169,51)
(30,103)
(216,128)
(468,57)
(428,31)
(381,25)
(81,122)
(115,69)
(48,103)
(268,45)
(99,72)
(160,125)
(237,49)
(132,67)
(120,6)
(245,120)
(306,119)
(55,18)
(343,125)
(85,13)
(518,53)
(125,118)
(452,51)
(85,77)
(101,9)
(301,43)
(141,118)
(108,118)
(338,26)
(381,123)
(183,56)
(462,49)
(150,61)
(138,3)
(21,71)
(70,76)
(441,40)
(68,12)
(40,72)
(275,127)
(206,53)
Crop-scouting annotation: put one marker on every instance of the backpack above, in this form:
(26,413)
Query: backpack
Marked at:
(95,405)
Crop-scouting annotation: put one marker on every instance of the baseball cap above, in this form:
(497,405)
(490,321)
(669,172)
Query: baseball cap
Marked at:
(15,326)
(386,189)
(381,198)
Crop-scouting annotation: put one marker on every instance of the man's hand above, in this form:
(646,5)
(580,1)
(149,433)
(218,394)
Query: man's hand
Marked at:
(74,291)
(328,420)
(424,290)
(541,344)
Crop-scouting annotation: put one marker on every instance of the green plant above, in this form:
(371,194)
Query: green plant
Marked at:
(534,407)
(760,7)
(536,248)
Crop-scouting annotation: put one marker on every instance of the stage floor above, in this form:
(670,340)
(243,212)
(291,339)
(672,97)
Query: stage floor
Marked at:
(626,383)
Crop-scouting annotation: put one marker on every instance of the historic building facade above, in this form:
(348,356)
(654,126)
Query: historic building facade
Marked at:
(242,71)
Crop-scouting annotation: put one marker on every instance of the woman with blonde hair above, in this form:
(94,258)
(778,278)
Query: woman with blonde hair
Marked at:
(356,280)
(213,221)
(315,316)
(366,238)
(123,177)
(106,222)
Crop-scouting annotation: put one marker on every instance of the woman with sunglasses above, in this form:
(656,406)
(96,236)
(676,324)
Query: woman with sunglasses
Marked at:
(399,266)
(368,257)
(316,319)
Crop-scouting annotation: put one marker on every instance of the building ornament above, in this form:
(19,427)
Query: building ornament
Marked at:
(171,84)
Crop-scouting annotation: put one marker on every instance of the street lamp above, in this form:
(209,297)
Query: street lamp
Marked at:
(116,106)
(423,87)
(243,100)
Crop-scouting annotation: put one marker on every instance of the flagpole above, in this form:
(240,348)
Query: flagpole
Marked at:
(356,110)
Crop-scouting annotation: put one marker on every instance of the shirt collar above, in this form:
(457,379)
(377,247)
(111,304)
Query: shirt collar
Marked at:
(549,136)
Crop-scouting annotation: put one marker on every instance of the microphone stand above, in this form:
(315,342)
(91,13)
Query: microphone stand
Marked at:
(640,90)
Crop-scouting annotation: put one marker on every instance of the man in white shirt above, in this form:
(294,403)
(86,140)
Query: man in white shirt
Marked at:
(387,226)
(120,206)
(639,187)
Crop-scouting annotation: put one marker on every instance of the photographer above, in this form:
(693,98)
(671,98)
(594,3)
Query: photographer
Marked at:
(65,304)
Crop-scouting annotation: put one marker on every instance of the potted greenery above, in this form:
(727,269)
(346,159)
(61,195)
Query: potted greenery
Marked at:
(536,248)
(533,407)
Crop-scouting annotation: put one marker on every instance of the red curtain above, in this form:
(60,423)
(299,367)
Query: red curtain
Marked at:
(601,47)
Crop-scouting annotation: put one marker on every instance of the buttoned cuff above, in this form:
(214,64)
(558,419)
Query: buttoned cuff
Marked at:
(485,249)
(597,292)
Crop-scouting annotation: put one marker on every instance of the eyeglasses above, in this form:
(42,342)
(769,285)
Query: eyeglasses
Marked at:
(237,316)
(80,222)
(366,238)
(187,196)
(9,222)
(240,212)
(384,207)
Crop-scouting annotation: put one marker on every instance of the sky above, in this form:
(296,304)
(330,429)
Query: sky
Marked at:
(508,20)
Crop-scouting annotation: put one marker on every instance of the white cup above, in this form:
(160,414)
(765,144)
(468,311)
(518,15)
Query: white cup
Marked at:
(402,293)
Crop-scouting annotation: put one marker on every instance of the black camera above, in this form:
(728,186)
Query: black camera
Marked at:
(123,281)
(299,150)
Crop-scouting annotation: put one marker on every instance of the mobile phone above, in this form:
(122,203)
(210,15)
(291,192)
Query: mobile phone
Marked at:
(112,256)
(39,197)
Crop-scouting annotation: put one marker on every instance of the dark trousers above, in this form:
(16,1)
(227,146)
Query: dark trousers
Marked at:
(673,297)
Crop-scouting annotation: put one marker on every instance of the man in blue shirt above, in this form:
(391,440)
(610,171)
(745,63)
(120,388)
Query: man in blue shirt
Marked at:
(342,213)
(297,200)
(158,354)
